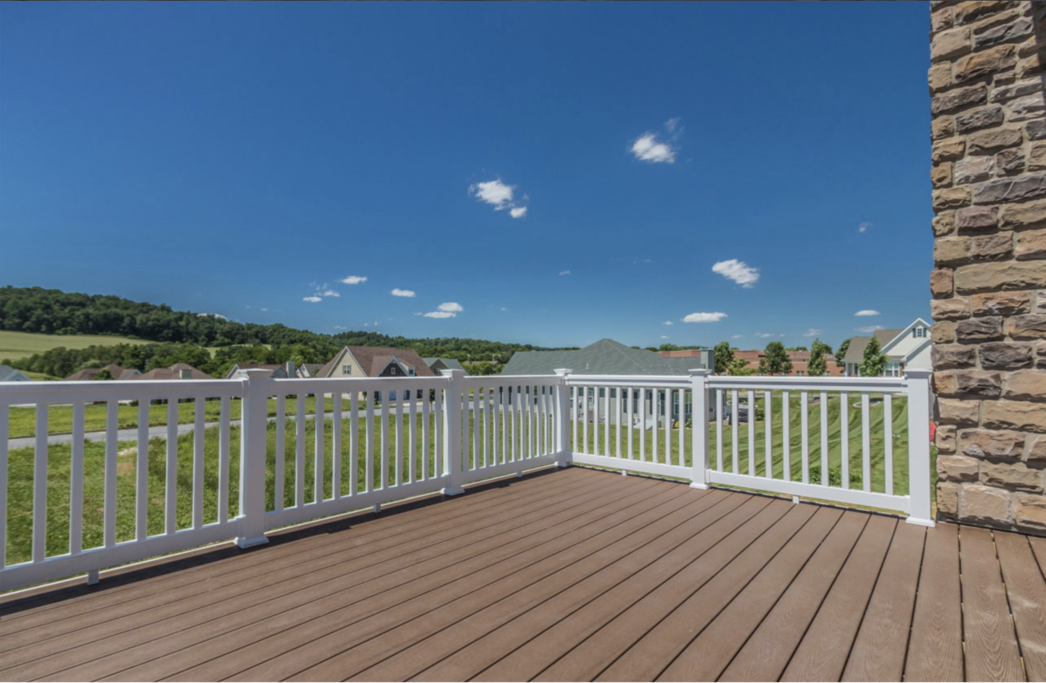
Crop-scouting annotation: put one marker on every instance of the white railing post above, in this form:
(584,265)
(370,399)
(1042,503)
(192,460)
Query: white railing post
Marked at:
(698,429)
(452,432)
(253,450)
(919,447)
(564,455)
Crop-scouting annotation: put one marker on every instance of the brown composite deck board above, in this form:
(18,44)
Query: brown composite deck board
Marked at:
(520,649)
(178,602)
(573,575)
(600,649)
(648,656)
(266,641)
(323,589)
(1027,597)
(878,651)
(768,650)
(495,604)
(823,651)
(991,642)
(935,650)
(705,658)
(115,591)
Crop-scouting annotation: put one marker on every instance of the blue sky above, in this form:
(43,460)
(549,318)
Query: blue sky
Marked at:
(242,159)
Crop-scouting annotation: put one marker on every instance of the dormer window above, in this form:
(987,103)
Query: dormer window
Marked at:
(346,369)
(410,371)
(920,332)
(392,370)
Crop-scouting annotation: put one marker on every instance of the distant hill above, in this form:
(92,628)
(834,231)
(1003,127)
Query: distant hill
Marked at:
(54,312)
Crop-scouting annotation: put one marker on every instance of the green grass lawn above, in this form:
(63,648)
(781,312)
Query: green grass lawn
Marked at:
(17,345)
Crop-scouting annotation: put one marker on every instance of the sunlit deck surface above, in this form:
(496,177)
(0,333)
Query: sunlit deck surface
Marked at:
(561,575)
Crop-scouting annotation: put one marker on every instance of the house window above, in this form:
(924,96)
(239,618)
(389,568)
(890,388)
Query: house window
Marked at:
(410,371)
(346,369)
(920,332)
(392,370)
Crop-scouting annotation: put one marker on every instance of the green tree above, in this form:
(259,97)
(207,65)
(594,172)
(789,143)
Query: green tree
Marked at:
(842,352)
(104,374)
(724,357)
(775,360)
(817,367)
(873,363)
(739,368)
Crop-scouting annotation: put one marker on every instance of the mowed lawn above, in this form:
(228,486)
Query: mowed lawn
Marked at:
(18,345)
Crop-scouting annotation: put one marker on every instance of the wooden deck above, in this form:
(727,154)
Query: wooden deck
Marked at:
(562,575)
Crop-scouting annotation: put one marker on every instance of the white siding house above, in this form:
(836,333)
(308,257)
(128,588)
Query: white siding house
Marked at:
(907,348)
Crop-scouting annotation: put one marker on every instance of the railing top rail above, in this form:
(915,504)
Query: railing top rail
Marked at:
(626,380)
(511,380)
(14,393)
(329,384)
(809,383)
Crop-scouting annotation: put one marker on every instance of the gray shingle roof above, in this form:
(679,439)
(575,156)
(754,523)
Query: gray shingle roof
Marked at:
(605,357)
(8,374)
(855,352)
(451,363)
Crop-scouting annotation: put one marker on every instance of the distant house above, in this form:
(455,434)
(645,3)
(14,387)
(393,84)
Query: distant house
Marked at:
(239,371)
(907,348)
(306,370)
(439,364)
(608,357)
(800,361)
(89,374)
(9,374)
(176,371)
(376,361)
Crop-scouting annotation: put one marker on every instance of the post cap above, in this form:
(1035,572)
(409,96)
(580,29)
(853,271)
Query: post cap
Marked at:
(917,374)
(257,373)
(562,371)
(452,372)
(699,372)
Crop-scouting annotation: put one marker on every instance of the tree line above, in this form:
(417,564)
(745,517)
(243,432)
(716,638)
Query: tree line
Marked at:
(775,360)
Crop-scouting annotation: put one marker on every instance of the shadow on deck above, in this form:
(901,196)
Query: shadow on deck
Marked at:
(562,575)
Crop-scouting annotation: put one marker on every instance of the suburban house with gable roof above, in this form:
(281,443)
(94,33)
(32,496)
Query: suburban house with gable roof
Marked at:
(437,365)
(115,372)
(907,348)
(9,374)
(376,361)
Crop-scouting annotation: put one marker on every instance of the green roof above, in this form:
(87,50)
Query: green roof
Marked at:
(605,357)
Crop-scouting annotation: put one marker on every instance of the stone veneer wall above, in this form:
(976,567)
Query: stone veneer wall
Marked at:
(988,65)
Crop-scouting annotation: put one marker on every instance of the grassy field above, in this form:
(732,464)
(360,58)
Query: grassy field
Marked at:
(16,345)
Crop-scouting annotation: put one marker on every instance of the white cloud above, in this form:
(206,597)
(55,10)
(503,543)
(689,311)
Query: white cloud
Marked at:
(866,313)
(738,271)
(402,292)
(765,335)
(450,307)
(312,299)
(864,227)
(869,329)
(648,148)
(503,308)
(668,322)
(672,124)
(737,336)
(564,272)
(704,317)
(340,327)
(211,315)
(664,336)
(518,212)
(811,332)
(354,279)
(264,310)
(440,314)
(329,292)
(493,192)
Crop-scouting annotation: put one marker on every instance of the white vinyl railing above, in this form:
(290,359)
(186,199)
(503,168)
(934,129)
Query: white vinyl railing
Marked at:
(101,496)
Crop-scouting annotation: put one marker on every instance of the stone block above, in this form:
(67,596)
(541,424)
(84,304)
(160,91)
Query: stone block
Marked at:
(984,443)
(1037,450)
(1030,512)
(941,282)
(985,62)
(1014,30)
(942,332)
(953,356)
(1015,476)
(1037,157)
(1002,190)
(955,197)
(943,127)
(1009,162)
(947,150)
(1035,129)
(977,218)
(941,174)
(1040,301)
(1021,415)
(1027,107)
(939,77)
(1031,326)
(950,44)
(947,500)
(980,504)
(954,411)
(1031,245)
(991,247)
(987,141)
(1023,216)
(1006,355)
(950,309)
(985,117)
(957,468)
(942,19)
(967,12)
(944,439)
(951,250)
(973,383)
(1017,89)
(1001,303)
(971,169)
(1008,276)
(1026,385)
(958,98)
(984,329)
(1030,66)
